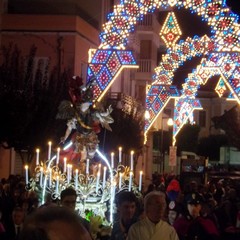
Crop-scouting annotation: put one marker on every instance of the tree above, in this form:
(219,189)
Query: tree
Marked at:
(210,146)
(187,138)
(28,100)
(230,123)
(126,132)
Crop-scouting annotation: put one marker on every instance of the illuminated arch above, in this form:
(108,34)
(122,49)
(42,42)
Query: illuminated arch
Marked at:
(175,57)
(106,63)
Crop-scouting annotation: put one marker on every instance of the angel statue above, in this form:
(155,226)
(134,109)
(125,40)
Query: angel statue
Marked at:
(84,120)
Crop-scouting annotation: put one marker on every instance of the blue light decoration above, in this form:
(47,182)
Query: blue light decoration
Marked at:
(183,110)
(105,65)
(158,96)
(225,39)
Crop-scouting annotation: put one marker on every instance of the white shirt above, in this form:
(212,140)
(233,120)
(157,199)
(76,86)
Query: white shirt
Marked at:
(147,230)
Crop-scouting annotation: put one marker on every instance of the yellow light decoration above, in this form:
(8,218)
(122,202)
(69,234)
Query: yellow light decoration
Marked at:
(221,87)
(91,53)
(170,31)
(112,81)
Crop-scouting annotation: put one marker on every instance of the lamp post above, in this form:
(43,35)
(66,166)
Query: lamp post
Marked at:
(169,123)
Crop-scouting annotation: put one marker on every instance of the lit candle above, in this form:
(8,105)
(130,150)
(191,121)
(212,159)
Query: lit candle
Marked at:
(120,180)
(26,173)
(130,182)
(65,165)
(104,176)
(57,183)
(120,154)
(76,179)
(99,169)
(50,177)
(87,166)
(97,182)
(58,153)
(37,156)
(140,181)
(131,161)
(112,160)
(49,150)
(68,173)
(41,176)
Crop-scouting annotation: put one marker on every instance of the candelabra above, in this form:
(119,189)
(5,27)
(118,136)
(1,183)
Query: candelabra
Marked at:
(96,184)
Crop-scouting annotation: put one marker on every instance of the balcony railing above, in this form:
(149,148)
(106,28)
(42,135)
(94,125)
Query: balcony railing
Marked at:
(146,65)
(148,23)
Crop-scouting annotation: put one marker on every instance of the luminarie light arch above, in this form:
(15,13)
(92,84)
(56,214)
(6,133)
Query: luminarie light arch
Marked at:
(107,62)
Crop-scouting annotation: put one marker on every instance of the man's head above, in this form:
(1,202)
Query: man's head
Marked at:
(173,212)
(126,202)
(155,205)
(69,198)
(18,216)
(194,201)
(53,223)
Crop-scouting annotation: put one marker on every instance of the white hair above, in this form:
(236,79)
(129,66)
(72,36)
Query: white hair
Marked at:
(153,194)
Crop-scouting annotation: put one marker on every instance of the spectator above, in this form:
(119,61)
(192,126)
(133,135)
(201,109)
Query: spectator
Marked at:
(194,226)
(173,212)
(126,204)
(152,226)
(14,228)
(68,200)
(2,229)
(51,223)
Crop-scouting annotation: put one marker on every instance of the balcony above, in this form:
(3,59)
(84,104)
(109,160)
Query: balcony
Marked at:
(146,69)
(148,23)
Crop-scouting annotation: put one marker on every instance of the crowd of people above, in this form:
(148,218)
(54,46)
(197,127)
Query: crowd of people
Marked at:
(196,212)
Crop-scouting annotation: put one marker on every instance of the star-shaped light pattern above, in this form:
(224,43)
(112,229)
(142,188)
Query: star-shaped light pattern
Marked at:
(225,37)
(105,65)
(183,110)
(221,87)
(170,31)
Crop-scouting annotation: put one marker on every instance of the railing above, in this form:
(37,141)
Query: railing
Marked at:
(148,23)
(145,65)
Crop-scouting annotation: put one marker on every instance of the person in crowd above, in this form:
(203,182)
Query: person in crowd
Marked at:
(2,229)
(68,199)
(14,228)
(173,212)
(151,187)
(152,226)
(53,223)
(173,189)
(226,214)
(193,226)
(126,205)
(219,192)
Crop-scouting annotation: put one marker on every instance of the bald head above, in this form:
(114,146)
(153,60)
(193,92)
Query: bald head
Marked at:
(54,223)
